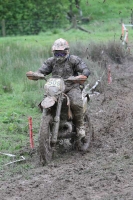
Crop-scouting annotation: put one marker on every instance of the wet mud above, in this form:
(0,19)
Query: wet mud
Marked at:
(105,172)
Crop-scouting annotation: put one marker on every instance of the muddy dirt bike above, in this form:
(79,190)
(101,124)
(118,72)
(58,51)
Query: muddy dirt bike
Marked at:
(56,123)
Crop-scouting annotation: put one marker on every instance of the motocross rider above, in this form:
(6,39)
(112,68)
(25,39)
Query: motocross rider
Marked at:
(65,65)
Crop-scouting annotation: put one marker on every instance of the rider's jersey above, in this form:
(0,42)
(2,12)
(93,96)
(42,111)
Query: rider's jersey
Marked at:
(72,66)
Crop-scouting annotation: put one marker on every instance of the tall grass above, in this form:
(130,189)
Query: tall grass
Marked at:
(19,97)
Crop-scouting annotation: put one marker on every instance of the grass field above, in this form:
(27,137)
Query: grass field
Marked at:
(19,97)
(106,9)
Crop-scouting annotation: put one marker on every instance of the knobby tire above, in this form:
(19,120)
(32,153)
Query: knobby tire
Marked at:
(45,148)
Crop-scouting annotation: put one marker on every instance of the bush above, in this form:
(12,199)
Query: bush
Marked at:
(116,51)
(96,56)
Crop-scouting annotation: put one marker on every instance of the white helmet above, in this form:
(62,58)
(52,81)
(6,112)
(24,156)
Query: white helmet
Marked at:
(60,44)
(60,50)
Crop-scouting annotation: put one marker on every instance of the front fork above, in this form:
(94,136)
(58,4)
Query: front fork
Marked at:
(57,120)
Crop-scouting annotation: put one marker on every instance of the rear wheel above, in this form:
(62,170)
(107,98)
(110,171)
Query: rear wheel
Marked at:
(45,148)
(85,142)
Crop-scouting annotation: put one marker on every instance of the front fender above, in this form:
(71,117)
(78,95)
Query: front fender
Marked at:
(48,102)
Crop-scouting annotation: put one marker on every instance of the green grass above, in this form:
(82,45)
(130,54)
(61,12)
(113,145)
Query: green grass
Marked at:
(100,30)
(114,9)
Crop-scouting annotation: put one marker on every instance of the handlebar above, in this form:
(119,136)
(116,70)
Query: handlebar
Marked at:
(36,76)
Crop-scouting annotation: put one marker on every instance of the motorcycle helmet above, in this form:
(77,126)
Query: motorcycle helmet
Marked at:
(60,49)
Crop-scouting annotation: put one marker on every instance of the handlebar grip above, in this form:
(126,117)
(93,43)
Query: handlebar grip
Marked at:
(35,76)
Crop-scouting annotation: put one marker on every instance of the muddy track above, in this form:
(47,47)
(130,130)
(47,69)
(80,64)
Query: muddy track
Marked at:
(105,172)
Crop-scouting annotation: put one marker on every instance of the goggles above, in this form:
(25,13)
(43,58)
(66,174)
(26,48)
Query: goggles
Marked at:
(60,54)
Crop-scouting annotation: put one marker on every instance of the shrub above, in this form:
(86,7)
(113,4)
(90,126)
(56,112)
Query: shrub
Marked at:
(116,51)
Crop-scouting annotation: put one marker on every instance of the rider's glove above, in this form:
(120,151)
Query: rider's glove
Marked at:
(34,75)
(80,79)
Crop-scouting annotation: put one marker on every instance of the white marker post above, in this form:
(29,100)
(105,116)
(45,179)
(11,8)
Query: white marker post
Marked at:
(125,33)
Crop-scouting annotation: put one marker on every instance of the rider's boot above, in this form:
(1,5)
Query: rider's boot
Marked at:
(81,132)
(82,139)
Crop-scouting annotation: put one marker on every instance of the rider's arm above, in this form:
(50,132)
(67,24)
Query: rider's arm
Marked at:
(80,66)
(46,67)
(42,71)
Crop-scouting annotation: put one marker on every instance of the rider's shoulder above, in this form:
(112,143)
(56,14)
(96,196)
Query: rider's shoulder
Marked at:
(73,58)
(51,59)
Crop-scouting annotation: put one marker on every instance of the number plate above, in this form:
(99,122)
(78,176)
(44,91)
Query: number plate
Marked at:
(54,82)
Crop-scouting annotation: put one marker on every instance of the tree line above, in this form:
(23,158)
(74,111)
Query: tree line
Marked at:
(31,17)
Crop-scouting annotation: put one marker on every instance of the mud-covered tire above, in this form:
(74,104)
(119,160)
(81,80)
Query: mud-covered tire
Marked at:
(45,148)
(85,142)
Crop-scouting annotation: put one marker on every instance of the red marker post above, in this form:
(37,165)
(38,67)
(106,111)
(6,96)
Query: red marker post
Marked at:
(31,133)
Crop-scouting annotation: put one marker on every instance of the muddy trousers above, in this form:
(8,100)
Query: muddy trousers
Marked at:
(76,102)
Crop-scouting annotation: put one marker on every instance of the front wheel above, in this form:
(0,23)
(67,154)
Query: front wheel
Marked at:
(45,132)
